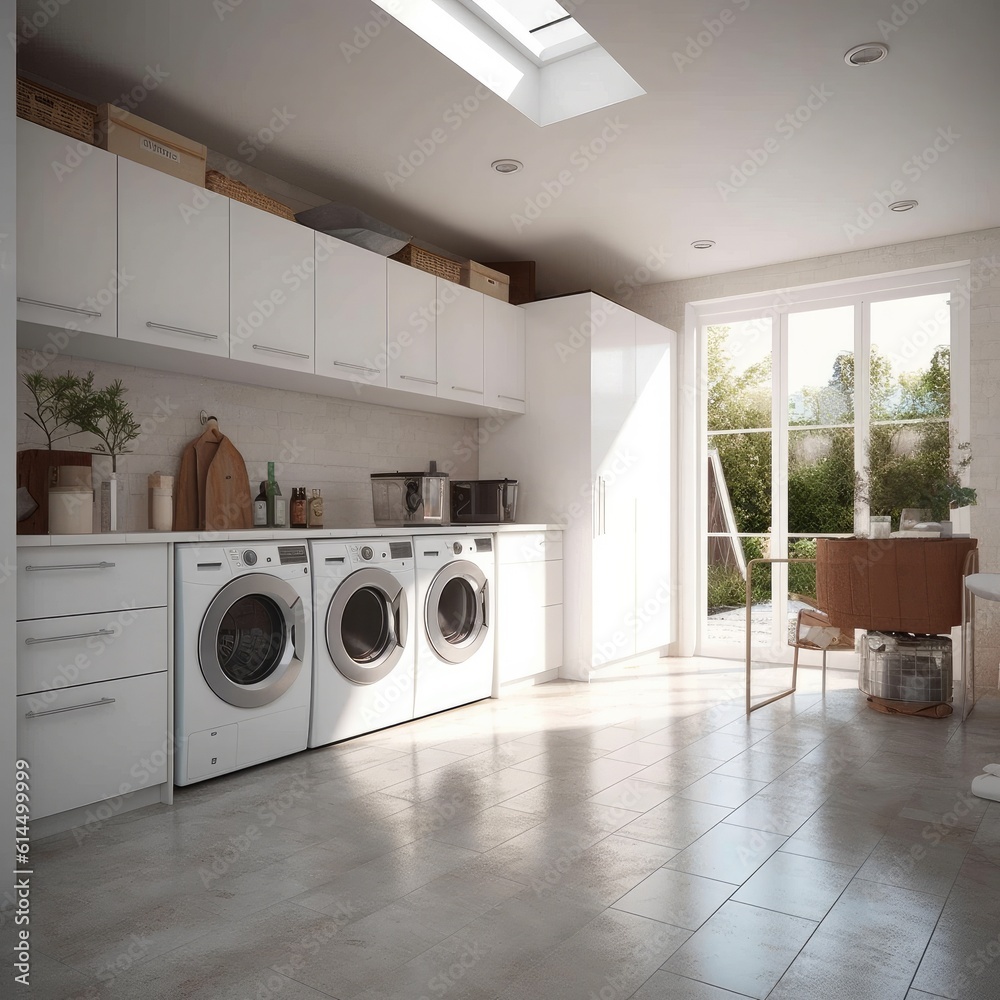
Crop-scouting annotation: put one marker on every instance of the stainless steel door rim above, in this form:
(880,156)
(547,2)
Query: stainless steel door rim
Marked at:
(465,641)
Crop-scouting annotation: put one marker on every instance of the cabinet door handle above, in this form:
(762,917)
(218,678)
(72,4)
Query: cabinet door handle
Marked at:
(357,368)
(459,388)
(278,350)
(604,506)
(55,305)
(47,569)
(65,638)
(516,399)
(69,708)
(413,378)
(180,329)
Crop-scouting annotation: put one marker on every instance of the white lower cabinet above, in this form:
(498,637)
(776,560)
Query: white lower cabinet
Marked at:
(529,605)
(93,673)
(94,741)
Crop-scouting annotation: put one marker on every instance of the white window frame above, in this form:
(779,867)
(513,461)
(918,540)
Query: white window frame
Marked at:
(954,279)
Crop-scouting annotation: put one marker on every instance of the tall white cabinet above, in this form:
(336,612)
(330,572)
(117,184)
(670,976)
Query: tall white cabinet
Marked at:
(594,453)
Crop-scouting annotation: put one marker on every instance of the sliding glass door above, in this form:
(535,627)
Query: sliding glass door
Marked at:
(813,414)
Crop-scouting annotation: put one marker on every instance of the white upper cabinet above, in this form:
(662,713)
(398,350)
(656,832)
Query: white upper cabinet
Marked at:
(66,241)
(272,290)
(173,255)
(503,344)
(350,312)
(411,329)
(460,342)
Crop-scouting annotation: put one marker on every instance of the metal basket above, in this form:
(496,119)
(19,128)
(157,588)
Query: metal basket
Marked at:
(898,666)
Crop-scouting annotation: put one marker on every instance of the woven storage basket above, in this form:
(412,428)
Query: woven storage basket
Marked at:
(431,262)
(238,191)
(56,111)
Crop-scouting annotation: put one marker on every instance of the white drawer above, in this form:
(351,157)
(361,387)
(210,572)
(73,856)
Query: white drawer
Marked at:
(56,653)
(529,546)
(525,585)
(529,643)
(97,741)
(80,579)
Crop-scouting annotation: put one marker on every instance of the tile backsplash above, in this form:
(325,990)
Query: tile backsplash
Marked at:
(315,441)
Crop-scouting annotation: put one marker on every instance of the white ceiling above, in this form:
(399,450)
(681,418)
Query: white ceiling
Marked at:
(654,188)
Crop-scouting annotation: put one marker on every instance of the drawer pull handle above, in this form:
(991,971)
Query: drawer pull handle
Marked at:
(413,378)
(180,329)
(69,708)
(63,638)
(278,350)
(41,569)
(358,368)
(458,388)
(55,305)
(516,399)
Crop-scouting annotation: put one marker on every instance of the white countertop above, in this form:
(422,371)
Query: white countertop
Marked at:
(140,537)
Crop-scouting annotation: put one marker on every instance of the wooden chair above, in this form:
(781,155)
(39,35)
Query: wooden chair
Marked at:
(800,635)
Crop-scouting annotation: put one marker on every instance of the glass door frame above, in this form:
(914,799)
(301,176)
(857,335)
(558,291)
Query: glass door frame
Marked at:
(777,306)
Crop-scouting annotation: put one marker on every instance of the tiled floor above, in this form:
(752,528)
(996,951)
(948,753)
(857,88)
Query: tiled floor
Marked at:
(637,837)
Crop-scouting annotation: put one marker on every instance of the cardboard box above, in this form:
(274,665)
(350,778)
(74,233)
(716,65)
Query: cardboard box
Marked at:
(522,278)
(486,280)
(136,139)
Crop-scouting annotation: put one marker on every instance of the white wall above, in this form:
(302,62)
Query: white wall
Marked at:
(8,309)
(315,441)
(666,303)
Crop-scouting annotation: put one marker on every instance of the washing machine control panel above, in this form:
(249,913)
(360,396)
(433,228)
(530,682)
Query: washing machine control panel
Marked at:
(380,551)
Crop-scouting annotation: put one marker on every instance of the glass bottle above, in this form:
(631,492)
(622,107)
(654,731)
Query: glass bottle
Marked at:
(298,508)
(315,514)
(260,507)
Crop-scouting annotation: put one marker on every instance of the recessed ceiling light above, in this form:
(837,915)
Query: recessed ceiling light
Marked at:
(866,54)
(703,244)
(902,206)
(507,166)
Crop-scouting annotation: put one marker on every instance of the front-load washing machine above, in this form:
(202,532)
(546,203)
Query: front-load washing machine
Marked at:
(243,666)
(363,597)
(455,598)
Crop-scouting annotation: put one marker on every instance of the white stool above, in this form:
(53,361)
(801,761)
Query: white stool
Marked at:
(987,587)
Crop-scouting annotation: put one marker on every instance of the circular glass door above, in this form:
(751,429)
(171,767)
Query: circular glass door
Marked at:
(456,612)
(366,625)
(248,640)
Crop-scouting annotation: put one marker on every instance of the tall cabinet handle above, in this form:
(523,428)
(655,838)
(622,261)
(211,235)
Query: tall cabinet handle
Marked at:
(180,329)
(278,350)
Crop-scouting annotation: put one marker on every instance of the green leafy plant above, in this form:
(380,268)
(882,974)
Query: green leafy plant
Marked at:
(61,402)
(107,416)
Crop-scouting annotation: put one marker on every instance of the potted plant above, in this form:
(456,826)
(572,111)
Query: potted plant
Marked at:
(59,400)
(927,480)
(106,415)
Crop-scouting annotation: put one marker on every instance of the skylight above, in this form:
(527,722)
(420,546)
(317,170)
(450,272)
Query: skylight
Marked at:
(543,29)
(532,53)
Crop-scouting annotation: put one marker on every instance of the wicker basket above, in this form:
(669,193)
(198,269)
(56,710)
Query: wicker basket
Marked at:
(433,263)
(238,191)
(56,111)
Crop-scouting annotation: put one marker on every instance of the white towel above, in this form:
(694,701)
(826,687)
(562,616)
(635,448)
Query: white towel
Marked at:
(992,769)
(987,786)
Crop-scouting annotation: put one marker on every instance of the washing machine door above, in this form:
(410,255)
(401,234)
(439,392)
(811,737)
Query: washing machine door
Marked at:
(250,643)
(456,616)
(366,625)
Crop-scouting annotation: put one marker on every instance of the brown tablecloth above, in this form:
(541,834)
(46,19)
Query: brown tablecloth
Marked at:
(892,584)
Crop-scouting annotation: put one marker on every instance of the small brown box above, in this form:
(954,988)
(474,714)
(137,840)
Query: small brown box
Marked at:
(151,145)
(486,280)
(522,278)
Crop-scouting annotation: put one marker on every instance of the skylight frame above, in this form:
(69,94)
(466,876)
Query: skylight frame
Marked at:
(571,38)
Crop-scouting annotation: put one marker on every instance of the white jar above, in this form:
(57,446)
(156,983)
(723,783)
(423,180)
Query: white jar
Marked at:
(161,502)
(71,511)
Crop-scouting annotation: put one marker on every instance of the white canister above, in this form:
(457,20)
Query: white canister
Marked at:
(71,511)
(161,502)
